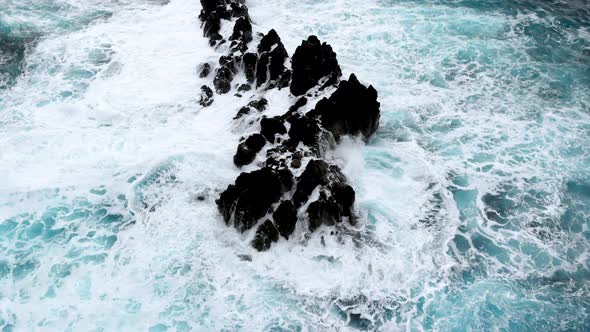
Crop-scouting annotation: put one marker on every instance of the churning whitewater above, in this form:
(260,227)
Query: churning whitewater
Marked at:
(472,198)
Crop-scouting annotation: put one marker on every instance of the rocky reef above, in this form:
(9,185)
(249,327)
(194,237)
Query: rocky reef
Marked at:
(294,184)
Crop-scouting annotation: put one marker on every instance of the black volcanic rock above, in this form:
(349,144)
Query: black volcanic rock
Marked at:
(298,104)
(284,79)
(285,217)
(324,211)
(262,69)
(244,88)
(206,96)
(222,80)
(211,28)
(352,109)
(271,61)
(259,104)
(209,5)
(248,149)
(250,60)
(212,12)
(239,9)
(344,196)
(286,179)
(243,111)
(303,129)
(276,66)
(250,198)
(313,61)
(269,127)
(317,172)
(242,30)
(242,34)
(266,234)
(228,62)
(268,41)
(204,70)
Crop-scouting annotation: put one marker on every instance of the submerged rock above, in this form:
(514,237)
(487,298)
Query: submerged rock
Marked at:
(206,96)
(242,112)
(204,70)
(259,104)
(222,80)
(313,61)
(266,234)
(244,88)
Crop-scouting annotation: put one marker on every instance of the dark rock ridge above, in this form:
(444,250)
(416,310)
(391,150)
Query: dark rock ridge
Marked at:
(270,62)
(212,14)
(271,199)
(213,11)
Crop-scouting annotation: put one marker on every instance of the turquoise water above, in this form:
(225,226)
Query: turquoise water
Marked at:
(474,194)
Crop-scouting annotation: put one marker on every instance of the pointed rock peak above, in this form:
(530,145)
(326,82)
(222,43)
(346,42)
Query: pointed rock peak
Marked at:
(313,40)
(311,63)
(267,42)
(353,79)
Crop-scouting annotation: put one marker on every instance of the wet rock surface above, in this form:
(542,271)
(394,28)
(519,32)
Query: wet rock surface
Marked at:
(270,127)
(285,217)
(204,70)
(272,200)
(313,61)
(352,109)
(270,66)
(266,234)
(206,98)
(250,198)
(248,149)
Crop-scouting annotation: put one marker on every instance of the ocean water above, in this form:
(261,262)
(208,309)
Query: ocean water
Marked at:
(474,194)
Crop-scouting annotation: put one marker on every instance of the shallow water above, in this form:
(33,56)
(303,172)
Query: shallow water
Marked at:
(474,193)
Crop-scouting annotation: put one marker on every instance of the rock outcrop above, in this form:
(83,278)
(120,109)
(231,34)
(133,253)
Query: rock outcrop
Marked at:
(312,62)
(352,109)
(272,200)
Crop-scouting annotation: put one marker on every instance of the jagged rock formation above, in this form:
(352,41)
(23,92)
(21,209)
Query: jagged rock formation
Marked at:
(312,62)
(352,109)
(294,185)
